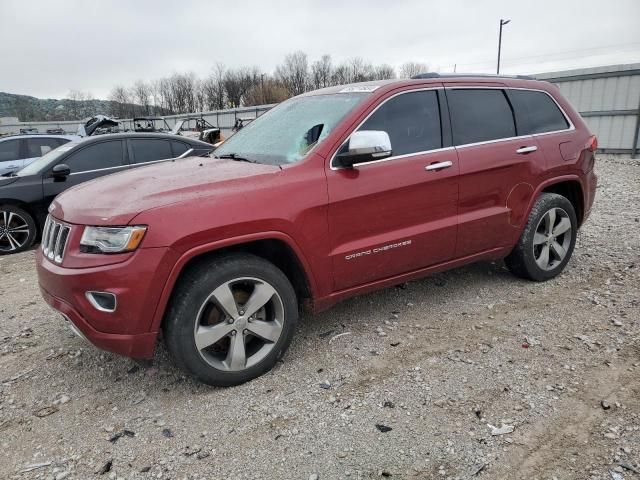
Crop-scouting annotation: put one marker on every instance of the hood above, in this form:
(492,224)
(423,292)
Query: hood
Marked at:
(116,199)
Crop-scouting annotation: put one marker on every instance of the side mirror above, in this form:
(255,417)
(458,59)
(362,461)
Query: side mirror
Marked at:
(61,171)
(365,146)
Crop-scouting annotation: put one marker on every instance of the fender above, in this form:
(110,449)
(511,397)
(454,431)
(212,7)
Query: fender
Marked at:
(548,183)
(190,254)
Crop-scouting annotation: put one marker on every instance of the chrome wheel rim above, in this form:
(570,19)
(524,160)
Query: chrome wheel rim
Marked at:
(552,239)
(239,324)
(14,231)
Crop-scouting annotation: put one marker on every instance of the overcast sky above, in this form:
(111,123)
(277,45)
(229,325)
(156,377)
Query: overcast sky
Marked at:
(50,47)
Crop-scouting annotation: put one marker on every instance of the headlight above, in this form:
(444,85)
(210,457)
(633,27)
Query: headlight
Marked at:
(111,239)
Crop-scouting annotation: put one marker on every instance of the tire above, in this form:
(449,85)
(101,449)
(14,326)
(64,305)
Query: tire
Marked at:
(209,303)
(18,230)
(527,260)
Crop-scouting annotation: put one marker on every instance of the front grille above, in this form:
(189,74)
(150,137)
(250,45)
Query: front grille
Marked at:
(54,239)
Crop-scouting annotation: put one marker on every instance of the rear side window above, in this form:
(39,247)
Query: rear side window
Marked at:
(96,156)
(9,150)
(37,147)
(536,112)
(412,121)
(479,115)
(149,150)
(179,148)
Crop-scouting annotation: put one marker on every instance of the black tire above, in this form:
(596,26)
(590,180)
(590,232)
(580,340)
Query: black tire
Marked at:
(191,299)
(522,260)
(14,238)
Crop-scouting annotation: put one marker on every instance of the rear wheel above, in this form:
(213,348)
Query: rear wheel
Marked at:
(231,319)
(18,229)
(548,240)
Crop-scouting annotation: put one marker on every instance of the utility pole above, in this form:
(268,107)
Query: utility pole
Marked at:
(502,23)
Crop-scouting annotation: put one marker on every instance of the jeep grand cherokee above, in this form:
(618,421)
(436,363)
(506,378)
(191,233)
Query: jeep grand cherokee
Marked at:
(331,194)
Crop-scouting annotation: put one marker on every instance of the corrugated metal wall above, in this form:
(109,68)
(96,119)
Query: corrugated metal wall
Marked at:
(607,97)
(609,100)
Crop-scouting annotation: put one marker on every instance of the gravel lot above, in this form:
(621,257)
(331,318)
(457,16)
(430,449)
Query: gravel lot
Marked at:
(407,391)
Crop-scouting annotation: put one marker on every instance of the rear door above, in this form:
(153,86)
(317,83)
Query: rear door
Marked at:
(149,150)
(396,215)
(497,168)
(86,163)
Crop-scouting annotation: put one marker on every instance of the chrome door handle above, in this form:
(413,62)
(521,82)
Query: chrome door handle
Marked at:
(523,150)
(438,166)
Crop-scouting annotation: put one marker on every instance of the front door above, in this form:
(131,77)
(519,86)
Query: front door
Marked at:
(93,161)
(398,214)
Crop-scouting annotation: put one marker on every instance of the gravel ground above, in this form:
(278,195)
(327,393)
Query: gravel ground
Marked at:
(403,383)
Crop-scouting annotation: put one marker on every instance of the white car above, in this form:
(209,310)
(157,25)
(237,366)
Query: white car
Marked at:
(18,151)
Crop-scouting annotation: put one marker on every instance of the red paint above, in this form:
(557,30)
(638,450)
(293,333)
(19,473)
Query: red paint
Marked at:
(472,211)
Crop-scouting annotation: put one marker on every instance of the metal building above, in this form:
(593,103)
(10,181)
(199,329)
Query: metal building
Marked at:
(608,98)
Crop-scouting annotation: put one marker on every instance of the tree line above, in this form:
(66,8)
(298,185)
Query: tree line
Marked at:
(246,86)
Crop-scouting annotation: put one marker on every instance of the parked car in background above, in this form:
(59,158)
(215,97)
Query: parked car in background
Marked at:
(330,194)
(18,151)
(26,195)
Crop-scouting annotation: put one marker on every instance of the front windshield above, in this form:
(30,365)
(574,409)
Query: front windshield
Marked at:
(286,133)
(50,157)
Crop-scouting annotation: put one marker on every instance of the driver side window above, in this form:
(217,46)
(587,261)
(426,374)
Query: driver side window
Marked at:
(412,121)
(97,156)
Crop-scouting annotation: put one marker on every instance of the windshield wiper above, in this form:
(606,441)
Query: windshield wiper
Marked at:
(235,156)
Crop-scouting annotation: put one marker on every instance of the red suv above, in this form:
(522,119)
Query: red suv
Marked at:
(330,194)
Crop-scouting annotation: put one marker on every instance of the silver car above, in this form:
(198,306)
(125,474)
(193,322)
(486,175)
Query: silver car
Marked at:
(18,151)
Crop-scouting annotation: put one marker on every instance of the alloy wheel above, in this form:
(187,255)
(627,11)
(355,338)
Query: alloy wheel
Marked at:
(239,324)
(552,239)
(14,231)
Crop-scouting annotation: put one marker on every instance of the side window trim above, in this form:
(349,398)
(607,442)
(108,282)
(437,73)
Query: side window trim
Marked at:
(506,89)
(406,155)
(62,160)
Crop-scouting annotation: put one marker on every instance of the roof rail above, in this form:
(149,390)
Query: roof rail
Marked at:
(463,75)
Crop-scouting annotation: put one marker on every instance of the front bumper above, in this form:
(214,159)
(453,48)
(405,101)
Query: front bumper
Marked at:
(137,282)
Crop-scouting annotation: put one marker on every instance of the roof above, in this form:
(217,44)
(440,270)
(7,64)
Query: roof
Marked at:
(420,79)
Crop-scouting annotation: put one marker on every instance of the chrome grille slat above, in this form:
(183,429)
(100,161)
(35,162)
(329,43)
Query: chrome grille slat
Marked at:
(54,239)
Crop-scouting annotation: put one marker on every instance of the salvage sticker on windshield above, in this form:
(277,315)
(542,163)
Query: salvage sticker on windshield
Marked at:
(359,89)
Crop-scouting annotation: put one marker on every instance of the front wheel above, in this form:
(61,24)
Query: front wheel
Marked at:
(548,240)
(231,319)
(18,229)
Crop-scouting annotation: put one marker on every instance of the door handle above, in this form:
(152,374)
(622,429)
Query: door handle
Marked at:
(523,150)
(438,166)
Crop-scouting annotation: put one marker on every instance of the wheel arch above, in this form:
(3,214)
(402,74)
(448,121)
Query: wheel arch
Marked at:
(24,206)
(275,247)
(569,186)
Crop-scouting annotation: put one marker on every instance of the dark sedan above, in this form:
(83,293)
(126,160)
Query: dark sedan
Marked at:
(26,195)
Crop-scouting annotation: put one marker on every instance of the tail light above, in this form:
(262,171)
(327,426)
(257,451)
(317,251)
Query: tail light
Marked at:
(592,143)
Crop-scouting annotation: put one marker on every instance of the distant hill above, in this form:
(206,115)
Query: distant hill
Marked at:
(29,109)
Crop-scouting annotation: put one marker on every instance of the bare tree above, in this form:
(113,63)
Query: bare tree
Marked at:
(321,72)
(121,106)
(141,93)
(213,89)
(294,72)
(238,82)
(409,69)
(384,72)
(265,92)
